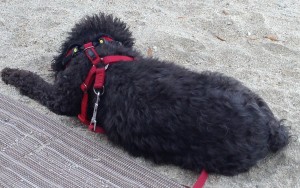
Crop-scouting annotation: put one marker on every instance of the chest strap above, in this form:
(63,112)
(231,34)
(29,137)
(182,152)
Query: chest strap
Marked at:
(96,79)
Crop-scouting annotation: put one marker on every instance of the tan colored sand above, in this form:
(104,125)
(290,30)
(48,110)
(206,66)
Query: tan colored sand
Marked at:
(257,42)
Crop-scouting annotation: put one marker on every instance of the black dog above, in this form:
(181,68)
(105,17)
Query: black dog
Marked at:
(157,109)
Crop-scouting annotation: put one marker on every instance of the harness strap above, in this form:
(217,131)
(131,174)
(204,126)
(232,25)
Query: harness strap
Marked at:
(84,102)
(99,79)
(116,58)
(91,53)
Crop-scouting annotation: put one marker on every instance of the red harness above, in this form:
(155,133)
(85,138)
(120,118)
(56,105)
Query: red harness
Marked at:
(97,76)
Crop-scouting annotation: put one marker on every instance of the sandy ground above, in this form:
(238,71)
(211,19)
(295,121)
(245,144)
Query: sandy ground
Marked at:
(257,42)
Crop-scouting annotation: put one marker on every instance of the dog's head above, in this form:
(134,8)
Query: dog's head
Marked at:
(88,29)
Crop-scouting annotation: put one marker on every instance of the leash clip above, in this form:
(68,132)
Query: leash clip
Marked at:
(93,120)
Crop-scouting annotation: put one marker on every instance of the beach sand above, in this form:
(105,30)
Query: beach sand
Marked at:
(257,42)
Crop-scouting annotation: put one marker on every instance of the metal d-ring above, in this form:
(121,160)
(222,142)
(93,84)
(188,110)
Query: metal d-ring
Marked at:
(98,92)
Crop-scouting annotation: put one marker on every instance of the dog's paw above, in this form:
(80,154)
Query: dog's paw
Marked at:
(7,75)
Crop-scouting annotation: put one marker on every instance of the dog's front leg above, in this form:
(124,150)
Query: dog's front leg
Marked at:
(58,97)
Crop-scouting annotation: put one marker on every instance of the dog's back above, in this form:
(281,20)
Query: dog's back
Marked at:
(194,120)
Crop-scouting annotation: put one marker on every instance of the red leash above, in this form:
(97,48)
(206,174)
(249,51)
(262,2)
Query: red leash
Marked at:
(201,180)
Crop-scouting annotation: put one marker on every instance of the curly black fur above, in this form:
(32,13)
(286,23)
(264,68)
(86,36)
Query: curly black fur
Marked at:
(160,110)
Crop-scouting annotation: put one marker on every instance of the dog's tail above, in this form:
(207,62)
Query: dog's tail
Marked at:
(279,135)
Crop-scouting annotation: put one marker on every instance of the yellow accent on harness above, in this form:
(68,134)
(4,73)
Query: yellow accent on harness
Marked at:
(75,50)
(101,41)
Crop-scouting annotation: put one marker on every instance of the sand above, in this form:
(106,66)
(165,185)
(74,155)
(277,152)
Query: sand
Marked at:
(257,42)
